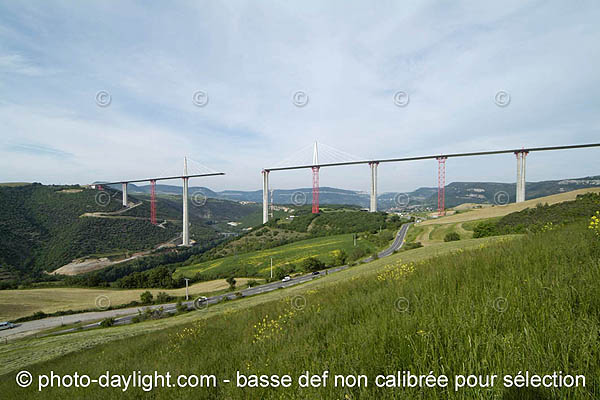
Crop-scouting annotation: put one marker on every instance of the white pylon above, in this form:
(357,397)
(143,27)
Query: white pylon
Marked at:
(265,196)
(186,227)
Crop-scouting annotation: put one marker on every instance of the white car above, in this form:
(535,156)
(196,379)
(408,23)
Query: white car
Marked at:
(287,278)
(6,325)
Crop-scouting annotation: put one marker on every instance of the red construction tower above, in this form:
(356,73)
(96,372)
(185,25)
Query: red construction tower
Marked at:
(441,185)
(153,202)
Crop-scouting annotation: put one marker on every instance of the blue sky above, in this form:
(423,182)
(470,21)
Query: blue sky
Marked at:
(349,57)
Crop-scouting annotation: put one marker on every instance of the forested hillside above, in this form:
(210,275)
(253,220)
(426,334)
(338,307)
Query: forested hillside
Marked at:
(41,228)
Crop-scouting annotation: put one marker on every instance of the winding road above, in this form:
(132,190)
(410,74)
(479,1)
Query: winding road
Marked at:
(125,315)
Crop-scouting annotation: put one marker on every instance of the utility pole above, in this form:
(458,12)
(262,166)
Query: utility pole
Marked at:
(187,296)
(355,240)
(271,267)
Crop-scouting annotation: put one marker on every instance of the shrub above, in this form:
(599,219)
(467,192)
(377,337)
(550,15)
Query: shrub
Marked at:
(146,297)
(412,245)
(484,229)
(231,281)
(181,308)
(451,237)
(163,297)
(339,258)
(312,264)
(107,322)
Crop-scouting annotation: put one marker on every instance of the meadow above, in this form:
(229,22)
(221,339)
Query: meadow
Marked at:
(258,263)
(507,305)
(20,303)
(502,210)
(22,353)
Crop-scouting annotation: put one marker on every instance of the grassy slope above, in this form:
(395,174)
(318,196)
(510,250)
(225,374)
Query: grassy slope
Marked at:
(258,262)
(20,303)
(454,324)
(25,352)
(551,322)
(498,211)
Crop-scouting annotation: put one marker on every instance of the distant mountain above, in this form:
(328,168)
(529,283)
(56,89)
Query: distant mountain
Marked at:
(456,193)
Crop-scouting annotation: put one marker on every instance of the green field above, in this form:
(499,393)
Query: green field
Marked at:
(258,263)
(529,304)
(431,234)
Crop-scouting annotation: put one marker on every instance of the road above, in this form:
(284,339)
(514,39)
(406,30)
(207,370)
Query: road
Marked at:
(396,245)
(125,315)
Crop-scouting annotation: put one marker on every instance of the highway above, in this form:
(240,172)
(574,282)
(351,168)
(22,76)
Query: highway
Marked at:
(125,315)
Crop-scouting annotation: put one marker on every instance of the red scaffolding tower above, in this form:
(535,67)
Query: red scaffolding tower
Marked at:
(153,202)
(441,185)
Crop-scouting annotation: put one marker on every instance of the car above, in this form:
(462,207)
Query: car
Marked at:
(316,273)
(6,325)
(287,278)
(201,302)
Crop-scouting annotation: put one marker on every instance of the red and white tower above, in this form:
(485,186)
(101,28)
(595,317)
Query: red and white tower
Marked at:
(153,202)
(441,185)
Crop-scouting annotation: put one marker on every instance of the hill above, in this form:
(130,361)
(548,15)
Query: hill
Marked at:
(528,304)
(44,227)
(456,193)
(287,231)
(499,211)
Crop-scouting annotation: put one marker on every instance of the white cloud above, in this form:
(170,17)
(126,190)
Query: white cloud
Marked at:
(250,57)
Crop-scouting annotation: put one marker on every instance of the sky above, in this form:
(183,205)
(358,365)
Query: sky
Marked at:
(115,90)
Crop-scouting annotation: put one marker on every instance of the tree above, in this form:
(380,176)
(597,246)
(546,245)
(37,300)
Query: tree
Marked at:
(340,257)
(146,297)
(163,297)
(312,264)
(231,281)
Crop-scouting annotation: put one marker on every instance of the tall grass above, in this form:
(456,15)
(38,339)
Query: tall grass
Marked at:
(531,304)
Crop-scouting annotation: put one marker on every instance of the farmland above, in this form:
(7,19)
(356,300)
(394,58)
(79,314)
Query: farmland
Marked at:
(258,263)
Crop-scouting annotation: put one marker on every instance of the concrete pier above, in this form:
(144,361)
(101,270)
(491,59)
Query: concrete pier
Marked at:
(186,220)
(124,191)
(521,162)
(373,204)
(265,196)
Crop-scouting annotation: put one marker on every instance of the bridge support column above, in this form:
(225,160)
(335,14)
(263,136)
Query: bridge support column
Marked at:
(521,161)
(186,221)
(124,191)
(265,174)
(373,204)
(524,161)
